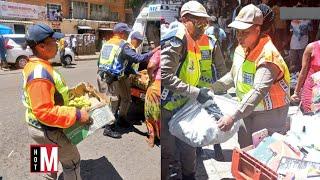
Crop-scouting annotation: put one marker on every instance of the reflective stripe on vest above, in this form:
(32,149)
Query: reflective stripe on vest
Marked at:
(265,51)
(109,55)
(208,74)
(41,71)
(188,72)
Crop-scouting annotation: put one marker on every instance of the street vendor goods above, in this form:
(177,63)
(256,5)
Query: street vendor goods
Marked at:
(84,95)
(80,102)
(140,80)
(196,124)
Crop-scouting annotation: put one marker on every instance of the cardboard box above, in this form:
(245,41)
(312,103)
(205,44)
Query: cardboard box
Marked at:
(100,113)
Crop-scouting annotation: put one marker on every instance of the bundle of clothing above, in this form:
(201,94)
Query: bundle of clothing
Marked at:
(196,124)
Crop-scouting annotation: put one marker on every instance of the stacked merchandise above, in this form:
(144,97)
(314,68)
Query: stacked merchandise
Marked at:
(140,80)
(296,154)
(139,84)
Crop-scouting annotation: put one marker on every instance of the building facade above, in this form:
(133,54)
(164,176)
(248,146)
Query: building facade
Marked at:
(105,10)
(68,16)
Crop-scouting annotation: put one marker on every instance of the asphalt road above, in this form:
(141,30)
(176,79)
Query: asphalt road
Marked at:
(102,157)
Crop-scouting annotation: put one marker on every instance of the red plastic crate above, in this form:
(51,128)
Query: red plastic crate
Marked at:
(246,167)
(138,93)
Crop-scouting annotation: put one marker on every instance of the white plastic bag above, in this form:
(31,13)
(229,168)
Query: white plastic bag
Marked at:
(194,125)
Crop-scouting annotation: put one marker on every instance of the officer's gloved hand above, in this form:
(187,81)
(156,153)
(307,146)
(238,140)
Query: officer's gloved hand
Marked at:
(203,96)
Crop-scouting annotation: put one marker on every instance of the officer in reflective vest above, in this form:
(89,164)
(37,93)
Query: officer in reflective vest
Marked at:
(261,79)
(186,63)
(46,99)
(115,56)
(136,40)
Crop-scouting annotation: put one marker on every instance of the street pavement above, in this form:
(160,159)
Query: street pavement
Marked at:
(102,157)
(209,168)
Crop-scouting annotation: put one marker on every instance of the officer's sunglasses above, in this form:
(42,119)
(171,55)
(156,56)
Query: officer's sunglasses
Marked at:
(198,24)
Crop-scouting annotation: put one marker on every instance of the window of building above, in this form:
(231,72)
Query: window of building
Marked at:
(114,16)
(98,12)
(79,10)
(127,4)
(19,29)
(54,12)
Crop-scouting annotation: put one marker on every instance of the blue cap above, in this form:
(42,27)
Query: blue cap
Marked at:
(40,32)
(137,35)
(121,27)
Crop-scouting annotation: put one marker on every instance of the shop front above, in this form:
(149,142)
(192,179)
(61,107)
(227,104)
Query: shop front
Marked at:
(104,33)
(19,16)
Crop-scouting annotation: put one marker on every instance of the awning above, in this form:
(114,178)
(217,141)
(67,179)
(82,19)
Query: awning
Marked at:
(15,21)
(5,29)
(106,29)
(84,27)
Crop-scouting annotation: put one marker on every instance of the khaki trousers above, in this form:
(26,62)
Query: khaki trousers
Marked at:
(273,120)
(68,154)
(120,94)
(171,147)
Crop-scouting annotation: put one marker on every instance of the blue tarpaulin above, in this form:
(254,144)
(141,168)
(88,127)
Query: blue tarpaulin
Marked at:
(5,29)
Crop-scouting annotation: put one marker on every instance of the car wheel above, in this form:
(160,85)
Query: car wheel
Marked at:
(68,60)
(21,62)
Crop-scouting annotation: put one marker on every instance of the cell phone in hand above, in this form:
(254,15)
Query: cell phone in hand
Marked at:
(258,136)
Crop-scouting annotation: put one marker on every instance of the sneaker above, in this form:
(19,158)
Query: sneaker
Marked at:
(109,131)
(5,68)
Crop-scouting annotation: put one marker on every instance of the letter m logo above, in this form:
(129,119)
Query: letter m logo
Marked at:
(49,158)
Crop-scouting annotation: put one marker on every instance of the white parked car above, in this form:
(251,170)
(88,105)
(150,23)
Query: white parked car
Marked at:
(19,56)
(68,57)
(16,54)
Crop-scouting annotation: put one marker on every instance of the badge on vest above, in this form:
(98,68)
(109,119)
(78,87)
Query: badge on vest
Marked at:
(164,94)
(205,54)
(106,51)
(247,78)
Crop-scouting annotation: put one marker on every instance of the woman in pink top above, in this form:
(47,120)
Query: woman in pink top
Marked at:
(310,65)
(152,100)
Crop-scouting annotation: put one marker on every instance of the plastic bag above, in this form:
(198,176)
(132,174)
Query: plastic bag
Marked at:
(195,124)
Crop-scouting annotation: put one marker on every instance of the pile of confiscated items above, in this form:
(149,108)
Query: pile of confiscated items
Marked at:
(185,123)
(85,95)
(139,84)
(140,80)
(294,155)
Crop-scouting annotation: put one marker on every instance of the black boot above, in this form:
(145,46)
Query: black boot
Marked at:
(218,155)
(123,123)
(109,131)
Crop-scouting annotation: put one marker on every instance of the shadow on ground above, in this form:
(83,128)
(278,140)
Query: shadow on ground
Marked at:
(97,169)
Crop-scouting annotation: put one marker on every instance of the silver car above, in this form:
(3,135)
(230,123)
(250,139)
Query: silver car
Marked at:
(17,55)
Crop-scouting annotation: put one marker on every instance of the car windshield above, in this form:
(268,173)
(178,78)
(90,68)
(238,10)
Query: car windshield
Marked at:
(19,40)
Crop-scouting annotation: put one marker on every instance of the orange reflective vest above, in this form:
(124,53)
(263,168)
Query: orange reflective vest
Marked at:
(246,66)
(53,111)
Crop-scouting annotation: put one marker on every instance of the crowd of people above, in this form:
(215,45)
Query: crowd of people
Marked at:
(259,73)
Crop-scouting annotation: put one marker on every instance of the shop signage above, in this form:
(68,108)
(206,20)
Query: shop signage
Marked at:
(18,10)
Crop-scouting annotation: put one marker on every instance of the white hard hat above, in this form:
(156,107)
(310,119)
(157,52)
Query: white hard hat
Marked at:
(194,8)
